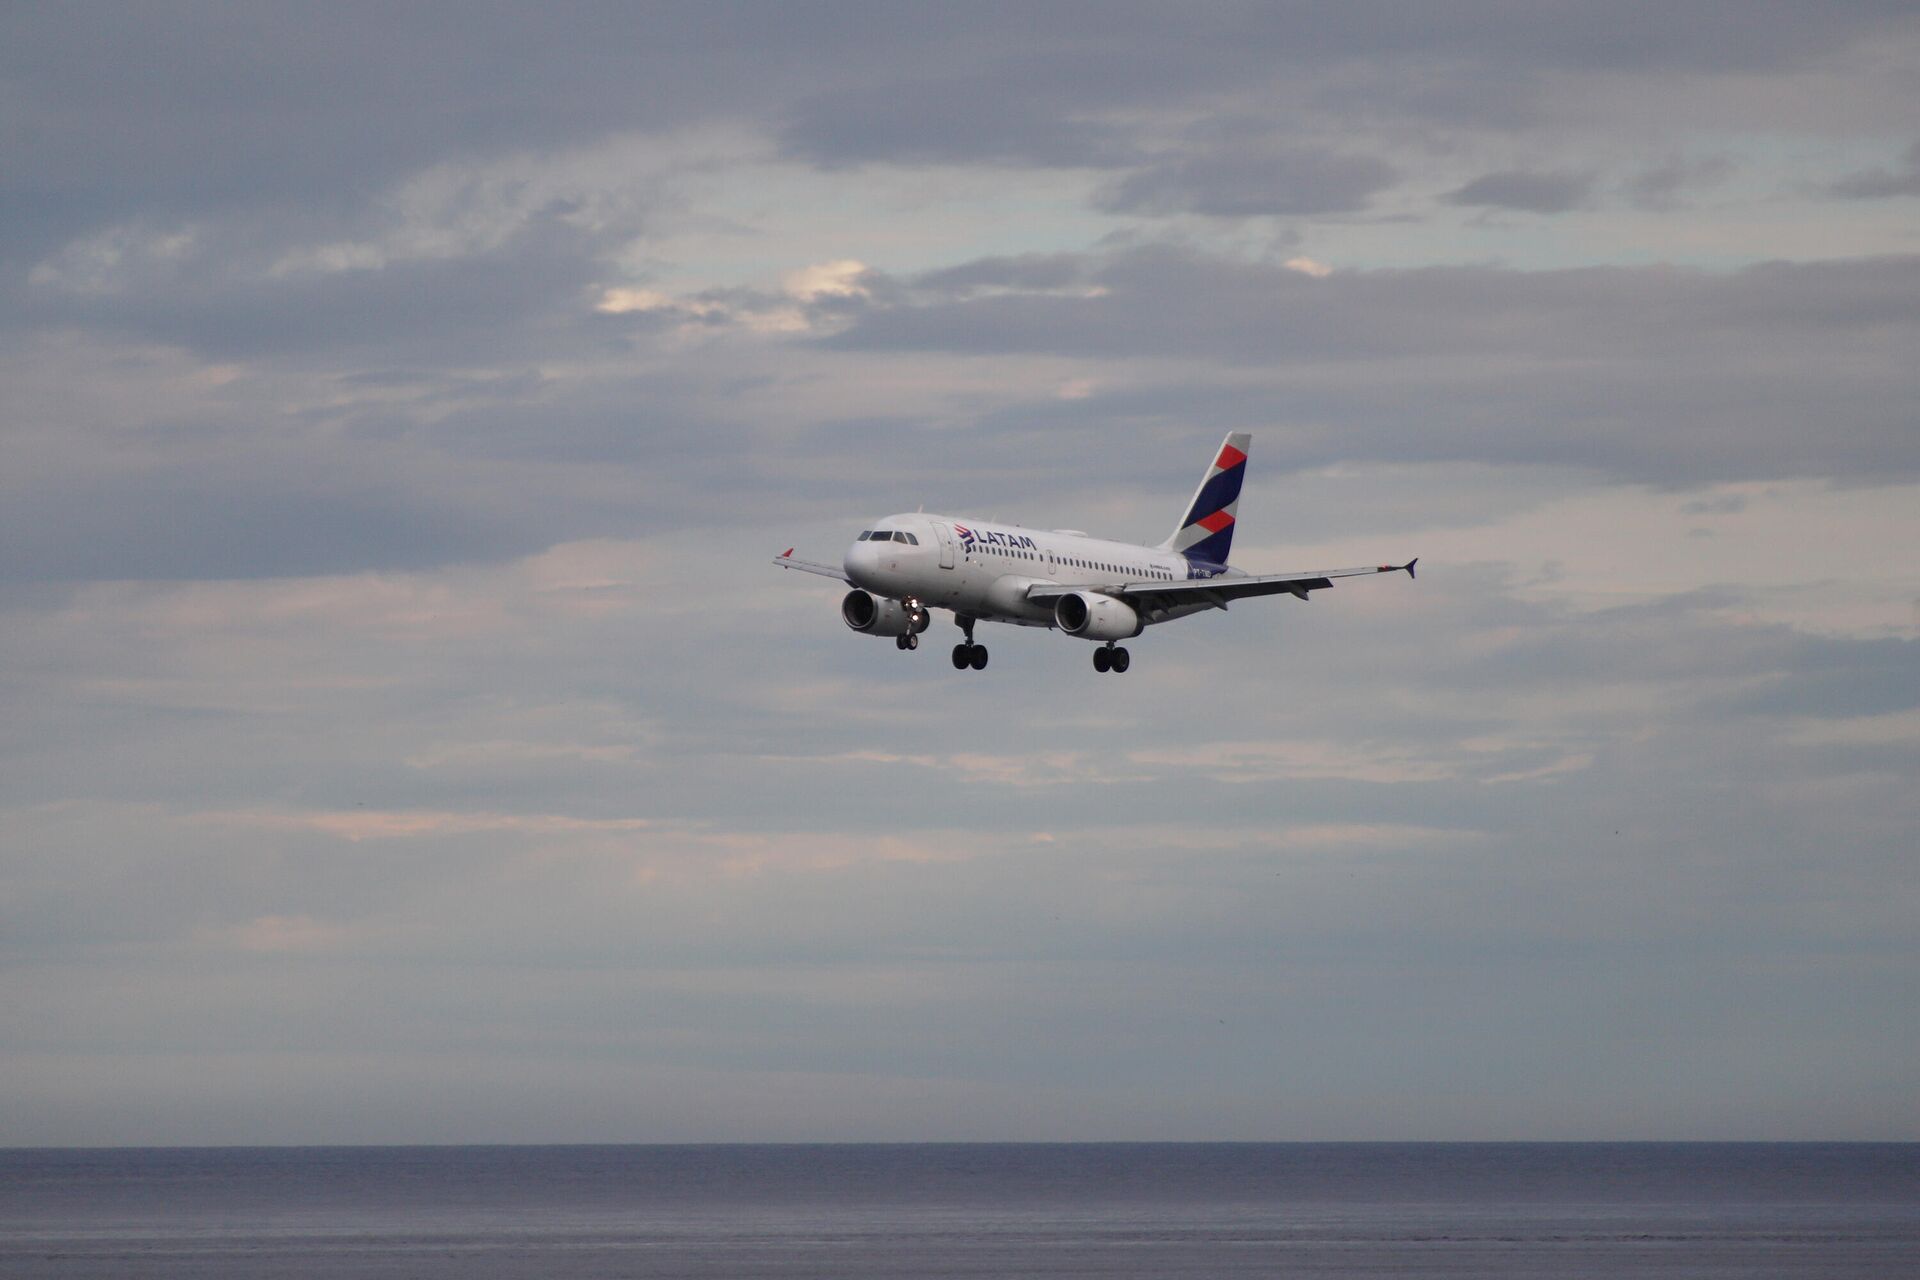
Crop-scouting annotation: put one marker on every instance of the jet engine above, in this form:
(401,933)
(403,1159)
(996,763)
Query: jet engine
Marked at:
(1092,616)
(880,616)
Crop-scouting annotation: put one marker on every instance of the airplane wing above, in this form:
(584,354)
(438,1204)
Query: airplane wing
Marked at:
(786,561)
(1218,591)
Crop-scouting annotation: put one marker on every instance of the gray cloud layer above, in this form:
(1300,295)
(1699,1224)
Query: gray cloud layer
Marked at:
(1526,192)
(1653,374)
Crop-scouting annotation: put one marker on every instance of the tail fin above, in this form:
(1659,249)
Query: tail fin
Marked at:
(1205,533)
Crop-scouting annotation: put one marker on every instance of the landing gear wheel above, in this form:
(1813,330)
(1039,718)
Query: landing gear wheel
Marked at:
(979,657)
(1102,660)
(906,642)
(1121,660)
(962,655)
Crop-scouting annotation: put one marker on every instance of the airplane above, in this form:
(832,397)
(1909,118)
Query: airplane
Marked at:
(905,566)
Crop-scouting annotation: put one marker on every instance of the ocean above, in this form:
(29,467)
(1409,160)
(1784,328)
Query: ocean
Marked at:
(1593,1211)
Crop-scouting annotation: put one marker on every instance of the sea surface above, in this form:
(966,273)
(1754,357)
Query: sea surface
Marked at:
(1111,1210)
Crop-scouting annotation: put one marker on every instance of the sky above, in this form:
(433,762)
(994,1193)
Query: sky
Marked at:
(404,736)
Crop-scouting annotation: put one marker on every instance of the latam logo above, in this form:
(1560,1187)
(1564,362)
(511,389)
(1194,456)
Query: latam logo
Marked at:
(988,538)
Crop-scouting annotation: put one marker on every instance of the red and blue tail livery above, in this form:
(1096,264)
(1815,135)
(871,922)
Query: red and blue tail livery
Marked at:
(1205,535)
(904,567)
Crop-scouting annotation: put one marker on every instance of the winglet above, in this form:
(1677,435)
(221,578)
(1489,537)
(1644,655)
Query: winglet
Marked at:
(784,555)
(1406,568)
(1409,566)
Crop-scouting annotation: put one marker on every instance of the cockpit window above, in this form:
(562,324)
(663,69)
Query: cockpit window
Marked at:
(907,538)
(864,535)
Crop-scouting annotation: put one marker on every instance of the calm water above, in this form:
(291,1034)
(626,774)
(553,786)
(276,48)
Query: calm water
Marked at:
(1371,1210)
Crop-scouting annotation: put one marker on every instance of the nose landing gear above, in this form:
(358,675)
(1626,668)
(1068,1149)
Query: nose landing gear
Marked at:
(1111,657)
(917,620)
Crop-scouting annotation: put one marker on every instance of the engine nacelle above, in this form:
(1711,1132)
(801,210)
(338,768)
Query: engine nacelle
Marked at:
(1092,616)
(873,615)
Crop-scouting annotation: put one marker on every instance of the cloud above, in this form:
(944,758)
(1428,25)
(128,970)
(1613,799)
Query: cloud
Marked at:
(1006,114)
(1027,273)
(1244,762)
(108,118)
(1882,183)
(998,768)
(1241,183)
(1525,192)
(841,278)
(1664,185)
(270,934)
(1591,368)
(200,291)
(365,824)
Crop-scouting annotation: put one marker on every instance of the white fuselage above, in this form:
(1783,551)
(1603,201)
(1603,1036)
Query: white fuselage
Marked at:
(983,570)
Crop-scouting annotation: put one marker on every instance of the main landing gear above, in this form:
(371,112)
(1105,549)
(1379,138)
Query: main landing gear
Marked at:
(908,641)
(969,654)
(1111,657)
